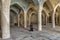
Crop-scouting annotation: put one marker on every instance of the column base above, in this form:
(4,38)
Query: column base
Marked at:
(40,28)
(5,37)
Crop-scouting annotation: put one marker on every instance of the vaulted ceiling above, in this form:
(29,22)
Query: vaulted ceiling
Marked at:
(25,3)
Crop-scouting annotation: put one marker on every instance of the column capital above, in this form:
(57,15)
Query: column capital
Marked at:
(41,2)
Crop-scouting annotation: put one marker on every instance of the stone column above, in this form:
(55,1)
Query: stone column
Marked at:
(46,20)
(29,19)
(25,19)
(40,18)
(5,19)
(41,2)
(56,21)
(53,20)
(59,19)
(18,20)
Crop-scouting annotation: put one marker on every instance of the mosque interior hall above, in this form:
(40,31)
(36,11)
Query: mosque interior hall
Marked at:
(29,20)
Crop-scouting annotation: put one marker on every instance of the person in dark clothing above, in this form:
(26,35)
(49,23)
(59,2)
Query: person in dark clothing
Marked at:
(31,27)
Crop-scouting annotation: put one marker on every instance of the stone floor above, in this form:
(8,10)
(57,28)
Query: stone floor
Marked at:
(18,33)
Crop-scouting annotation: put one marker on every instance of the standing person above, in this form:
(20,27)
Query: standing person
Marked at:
(31,26)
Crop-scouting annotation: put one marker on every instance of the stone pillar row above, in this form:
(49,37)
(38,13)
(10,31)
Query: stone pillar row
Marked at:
(5,18)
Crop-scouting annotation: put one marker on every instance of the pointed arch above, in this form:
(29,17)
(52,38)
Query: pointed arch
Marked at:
(53,19)
(46,12)
(20,11)
(17,5)
(32,14)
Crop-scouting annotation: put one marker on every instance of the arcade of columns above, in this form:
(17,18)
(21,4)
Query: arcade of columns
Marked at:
(5,17)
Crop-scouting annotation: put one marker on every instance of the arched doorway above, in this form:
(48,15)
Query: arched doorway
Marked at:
(13,16)
(32,18)
(47,9)
(17,15)
(43,18)
(55,15)
(21,21)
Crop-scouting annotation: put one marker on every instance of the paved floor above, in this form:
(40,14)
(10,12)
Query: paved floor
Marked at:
(22,34)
